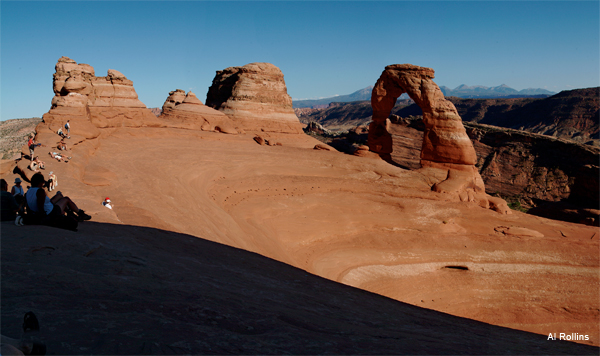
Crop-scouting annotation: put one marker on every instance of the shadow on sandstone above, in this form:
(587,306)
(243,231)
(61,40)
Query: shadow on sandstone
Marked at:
(118,289)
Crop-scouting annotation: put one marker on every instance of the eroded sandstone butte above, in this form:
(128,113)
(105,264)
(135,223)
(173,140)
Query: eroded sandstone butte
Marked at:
(255,97)
(187,111)
(80,96)
(446,145)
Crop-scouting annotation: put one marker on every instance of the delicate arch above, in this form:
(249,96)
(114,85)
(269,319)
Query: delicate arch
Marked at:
(445,141)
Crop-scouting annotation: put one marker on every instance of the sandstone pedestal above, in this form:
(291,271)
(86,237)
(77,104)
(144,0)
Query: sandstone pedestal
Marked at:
(85,99)
(255,98)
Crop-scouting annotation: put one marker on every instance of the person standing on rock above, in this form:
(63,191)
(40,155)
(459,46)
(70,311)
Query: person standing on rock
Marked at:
(68,128)
(29,343)
(32,145)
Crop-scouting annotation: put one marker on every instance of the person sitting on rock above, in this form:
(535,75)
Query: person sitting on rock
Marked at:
(62,145)
(17,190)
(58,157)
(48,209)
(52,181)
(37,164)
(34,166)
(61,133)
(8,204)
(107,203)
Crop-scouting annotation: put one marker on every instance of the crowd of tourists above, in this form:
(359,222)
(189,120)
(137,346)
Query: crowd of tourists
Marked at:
(35,206)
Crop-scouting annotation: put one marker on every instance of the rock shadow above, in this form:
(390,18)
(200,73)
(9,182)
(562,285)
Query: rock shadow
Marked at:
(124,290)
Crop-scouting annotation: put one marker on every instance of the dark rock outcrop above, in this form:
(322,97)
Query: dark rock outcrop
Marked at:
(316,128)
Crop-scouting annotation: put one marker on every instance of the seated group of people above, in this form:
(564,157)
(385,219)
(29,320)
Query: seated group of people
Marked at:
(36,163)
(42,208)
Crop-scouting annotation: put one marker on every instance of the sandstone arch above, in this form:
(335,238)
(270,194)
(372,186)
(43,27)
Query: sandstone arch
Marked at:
(446,144)
(445,141)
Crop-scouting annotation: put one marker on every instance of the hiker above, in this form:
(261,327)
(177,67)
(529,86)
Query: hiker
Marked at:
(50,209)
(52,181)
(62,145)
(32,145)
(8,204)
(68,128)
(17,190)
(58,157)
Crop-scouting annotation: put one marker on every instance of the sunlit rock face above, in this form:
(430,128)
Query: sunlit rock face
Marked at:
(255,97)
(90,101)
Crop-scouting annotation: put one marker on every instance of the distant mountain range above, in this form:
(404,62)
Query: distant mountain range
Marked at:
(359,95)
(501,91)
(462,91)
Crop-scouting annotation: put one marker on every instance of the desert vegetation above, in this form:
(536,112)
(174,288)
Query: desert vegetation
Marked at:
(14,134)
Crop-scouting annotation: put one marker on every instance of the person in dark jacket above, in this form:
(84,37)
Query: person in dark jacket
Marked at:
(8,203)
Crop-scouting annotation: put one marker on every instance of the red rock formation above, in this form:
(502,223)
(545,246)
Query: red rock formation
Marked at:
(175,97)
(187,111)
(91,102)
(255,97)
(446,144)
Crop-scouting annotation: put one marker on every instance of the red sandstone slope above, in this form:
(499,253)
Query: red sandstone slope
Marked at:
(354,220)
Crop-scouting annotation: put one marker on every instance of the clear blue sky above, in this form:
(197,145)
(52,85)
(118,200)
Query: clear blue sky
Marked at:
(323,48)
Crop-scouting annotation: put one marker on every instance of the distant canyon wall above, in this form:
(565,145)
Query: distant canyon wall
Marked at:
(522,166)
